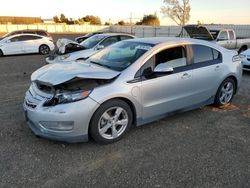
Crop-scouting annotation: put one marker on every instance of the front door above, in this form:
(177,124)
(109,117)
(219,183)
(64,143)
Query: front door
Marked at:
(161,93)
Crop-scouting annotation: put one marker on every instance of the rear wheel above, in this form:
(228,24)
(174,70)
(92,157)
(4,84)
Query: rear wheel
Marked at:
(111,121)
(1,53)
(225,92)
(44,49)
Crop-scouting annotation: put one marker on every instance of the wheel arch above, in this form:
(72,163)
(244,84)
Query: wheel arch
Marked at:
(243,48)
(1,52)
(235,80)
(129,102)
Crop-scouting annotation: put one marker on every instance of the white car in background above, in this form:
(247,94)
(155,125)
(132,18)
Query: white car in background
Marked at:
(25,44)
(245,58)
(69,50)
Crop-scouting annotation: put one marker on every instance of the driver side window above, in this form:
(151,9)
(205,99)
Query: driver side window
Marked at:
(15,39)
(109,41)
(174,57)
(223,36)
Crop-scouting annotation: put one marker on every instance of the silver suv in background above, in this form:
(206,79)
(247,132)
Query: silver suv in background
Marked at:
(70,50)
(132,82)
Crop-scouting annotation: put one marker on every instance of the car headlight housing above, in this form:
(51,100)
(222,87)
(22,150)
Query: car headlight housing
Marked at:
(63,57)
(72,97)
(67,97)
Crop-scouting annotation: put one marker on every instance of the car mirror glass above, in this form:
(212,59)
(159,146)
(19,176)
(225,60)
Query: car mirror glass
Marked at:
(163,68)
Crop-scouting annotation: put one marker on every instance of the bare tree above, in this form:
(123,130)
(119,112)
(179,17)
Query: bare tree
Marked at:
(177,10)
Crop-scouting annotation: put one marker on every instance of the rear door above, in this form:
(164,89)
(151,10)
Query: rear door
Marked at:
(207,70)
(31,43)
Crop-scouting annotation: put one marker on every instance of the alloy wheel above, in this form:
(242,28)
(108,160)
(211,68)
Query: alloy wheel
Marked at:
(113,123)
(226,93)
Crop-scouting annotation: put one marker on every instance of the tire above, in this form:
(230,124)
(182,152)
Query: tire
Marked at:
(225,92)
(106,127)
(44,49)
(1,53)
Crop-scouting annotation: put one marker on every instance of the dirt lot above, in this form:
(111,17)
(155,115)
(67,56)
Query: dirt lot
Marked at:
(207,147)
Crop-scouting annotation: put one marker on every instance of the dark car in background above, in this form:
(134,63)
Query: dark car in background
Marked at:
(83,38)
(29,31)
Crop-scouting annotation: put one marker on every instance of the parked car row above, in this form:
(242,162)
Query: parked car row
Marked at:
(25,42)
(69,50)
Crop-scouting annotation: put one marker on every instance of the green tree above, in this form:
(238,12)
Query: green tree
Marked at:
(64,19)
(150,19)
(93,20)
(121,22)
(56,19)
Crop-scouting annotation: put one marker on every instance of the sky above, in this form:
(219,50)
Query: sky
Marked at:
(210,11)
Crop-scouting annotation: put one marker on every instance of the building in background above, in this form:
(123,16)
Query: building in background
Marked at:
(20,20)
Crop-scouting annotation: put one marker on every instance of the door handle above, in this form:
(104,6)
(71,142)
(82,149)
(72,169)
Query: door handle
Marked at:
(185,76)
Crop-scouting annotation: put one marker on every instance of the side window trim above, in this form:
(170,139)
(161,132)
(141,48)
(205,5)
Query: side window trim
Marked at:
(205,63)
(138,76)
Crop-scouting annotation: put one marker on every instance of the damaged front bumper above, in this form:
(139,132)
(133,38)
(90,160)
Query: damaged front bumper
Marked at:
(65,122)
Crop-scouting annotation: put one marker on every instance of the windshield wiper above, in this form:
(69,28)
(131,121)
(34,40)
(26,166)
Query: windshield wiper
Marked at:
(100,64)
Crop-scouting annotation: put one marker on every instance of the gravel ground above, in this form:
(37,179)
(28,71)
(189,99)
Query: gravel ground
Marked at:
(207,147)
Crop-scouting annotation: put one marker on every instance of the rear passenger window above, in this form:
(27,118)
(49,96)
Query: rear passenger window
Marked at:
(202,53)
(43,33)
(217,55)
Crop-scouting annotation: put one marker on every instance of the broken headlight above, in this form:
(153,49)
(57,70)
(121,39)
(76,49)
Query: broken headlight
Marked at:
(72,97)
(63,98)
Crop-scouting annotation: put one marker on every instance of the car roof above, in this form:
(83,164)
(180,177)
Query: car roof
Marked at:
(114,34)
(29,34)
(174,40)
(29,30)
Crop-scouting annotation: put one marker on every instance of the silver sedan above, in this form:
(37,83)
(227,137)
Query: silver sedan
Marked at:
(133,82)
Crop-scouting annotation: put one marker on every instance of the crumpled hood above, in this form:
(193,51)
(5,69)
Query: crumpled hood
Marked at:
(198,32)
(55,74)
(62,43)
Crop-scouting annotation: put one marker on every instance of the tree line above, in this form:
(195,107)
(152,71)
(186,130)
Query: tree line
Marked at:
(176,10)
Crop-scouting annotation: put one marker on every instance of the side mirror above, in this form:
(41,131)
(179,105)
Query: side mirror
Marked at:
(100,47)
(163,68)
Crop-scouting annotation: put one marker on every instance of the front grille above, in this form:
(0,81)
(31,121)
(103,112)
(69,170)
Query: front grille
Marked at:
(30,105)
(35,96)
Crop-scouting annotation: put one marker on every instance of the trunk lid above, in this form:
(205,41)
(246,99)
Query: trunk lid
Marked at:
(198,32)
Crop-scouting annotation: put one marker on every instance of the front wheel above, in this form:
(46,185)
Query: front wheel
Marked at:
(111,121)
(1,53)
(44,49)
(225,92)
